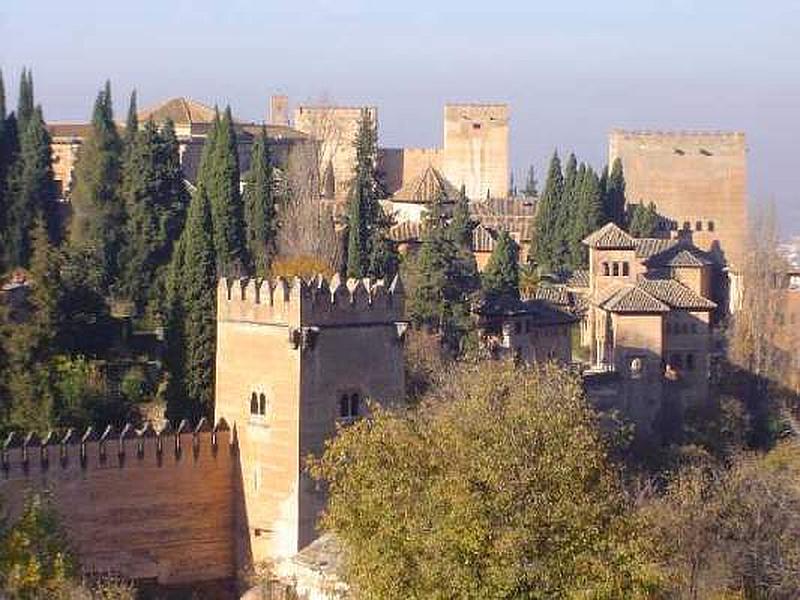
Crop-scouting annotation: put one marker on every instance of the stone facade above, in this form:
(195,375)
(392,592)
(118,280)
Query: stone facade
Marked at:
(698,181)
(294,361)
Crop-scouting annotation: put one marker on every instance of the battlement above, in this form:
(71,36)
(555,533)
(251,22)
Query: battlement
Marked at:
(307,303)
(675,141)
(31,456)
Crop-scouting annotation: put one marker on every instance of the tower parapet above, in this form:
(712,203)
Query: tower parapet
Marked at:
(310,303)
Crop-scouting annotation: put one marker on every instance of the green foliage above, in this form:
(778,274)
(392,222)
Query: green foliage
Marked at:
(25,103)
(531,185)
(614,199)
(496,487)
(97,209)
(260,216)
(461,224)
(547,238)
(131,124)
(220,183)
(35,560)
(154,196)
(501,275)
(643,220)
(588,216)
(446,278)
(191,324)
(31,189)
(369,252)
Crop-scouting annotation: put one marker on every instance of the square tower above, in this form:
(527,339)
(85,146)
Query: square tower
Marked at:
(294,361)
(476,149)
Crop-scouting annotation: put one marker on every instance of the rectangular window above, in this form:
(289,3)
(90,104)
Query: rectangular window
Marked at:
(605,269)
(615,269)
(626,269)
(698,226)
(710,226)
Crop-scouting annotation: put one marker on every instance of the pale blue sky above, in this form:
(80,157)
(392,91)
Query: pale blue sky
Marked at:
(570,70)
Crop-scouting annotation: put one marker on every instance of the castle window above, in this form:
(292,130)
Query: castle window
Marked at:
(476,125)
(626,269)
(698,226)
(690,362)
(606,272)
(687,226)
(262,404)
(349,406)
(615,268)
(253,404)
(710,226)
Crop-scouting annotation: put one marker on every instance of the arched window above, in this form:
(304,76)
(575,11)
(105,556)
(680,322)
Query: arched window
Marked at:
(606,272)
(344,406)
(698,226)
(615,268)
(710,226)
(687,226)
(262,404)
(253,404)
(626,269)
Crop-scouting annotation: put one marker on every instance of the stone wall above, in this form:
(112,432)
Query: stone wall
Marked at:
(475,151)
(151,507)
(695,179)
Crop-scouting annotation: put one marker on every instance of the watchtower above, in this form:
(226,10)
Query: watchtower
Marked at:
(294,359)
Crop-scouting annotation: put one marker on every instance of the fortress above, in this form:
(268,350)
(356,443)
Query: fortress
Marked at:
(294,360)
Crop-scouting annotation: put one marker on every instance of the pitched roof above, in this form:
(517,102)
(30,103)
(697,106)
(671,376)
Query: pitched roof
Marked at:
(682,254)
(610,236)
(675,294)
(407,231)
(647,247)
(554,294)
(630,298)
(578,279)
(540,312)
(508,207)
(428,186)
(182,111)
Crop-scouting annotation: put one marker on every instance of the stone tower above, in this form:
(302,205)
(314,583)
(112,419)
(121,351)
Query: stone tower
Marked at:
(293,361)
(698,180)
(476,148)
(279,110)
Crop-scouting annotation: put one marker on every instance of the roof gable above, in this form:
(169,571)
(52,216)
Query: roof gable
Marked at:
(675,294)
(634,299)
(610,236)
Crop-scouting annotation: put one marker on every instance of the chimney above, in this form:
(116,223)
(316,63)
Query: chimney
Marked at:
(279,110)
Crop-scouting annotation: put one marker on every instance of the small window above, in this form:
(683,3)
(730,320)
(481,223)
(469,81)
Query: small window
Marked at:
(710,226)
(253,404)
(626,269)
(344,406)
(349,406)
(687,226)
(690,362)
(262,404)
(476,125)
(605,269)
(615,269)
(698,226)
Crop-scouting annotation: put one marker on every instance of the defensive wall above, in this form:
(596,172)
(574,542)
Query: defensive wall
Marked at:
(145,505)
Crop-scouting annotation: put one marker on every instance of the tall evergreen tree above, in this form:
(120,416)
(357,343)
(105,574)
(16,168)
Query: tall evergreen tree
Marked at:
(131,123)
(97,210)
(4,165)
(501,276)
(614,201)
(368,251)
(644,220)
(546,247)
(530,189)
(462,224)
(25,104)
(191,325)
(222,187)
(589,217)
(32,192)
(259,208)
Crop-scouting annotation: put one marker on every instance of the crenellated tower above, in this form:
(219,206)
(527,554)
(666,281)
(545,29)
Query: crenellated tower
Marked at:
(295,360)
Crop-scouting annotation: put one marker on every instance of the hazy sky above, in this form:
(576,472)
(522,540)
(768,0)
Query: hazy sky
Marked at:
(570,70)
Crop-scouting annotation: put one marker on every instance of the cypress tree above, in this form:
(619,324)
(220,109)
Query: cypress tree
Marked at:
(369,253)
(222,187)
(132,122)
(462,225)
(501,276)
(259,207)
(33,191)
(589,216)
(25,105)
(530,183)
(644,220)
(191,325)
(614,201)
(545,246)
(97,211)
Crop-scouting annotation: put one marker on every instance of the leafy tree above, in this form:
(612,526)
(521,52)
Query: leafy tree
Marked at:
(260,216)
(460,498)
(369,253)
(501,275)
(614,200)
(221,184)
(97,209)
(531,184)
(446,278)
(644,220)
(546,244)
(32,190)
(191,324)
